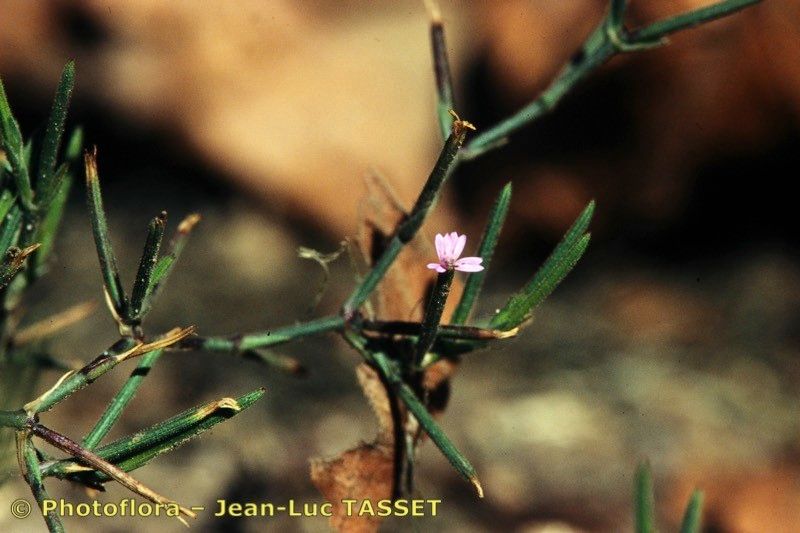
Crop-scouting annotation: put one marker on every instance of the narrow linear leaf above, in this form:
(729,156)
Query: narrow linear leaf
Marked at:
(105,253)
(165,264)
(491,234)
(74,145)
(155,234)
(48,228)
(14,148)
(7,199)
(693,517)
(644,502)
(132,452)
(563,258)
(388,369)
(9,228)
(55,130)
(438,436)
(117,405)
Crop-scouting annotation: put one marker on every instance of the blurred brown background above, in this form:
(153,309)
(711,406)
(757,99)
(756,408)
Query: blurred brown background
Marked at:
(675,339)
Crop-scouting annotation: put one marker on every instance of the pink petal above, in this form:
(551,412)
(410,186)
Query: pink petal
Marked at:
(470,261)
(446,247)
(440,245)
(453,242)
(459,246)
(468,267)
(437,267)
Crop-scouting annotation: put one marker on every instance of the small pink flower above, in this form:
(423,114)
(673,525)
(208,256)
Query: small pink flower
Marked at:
(449,248)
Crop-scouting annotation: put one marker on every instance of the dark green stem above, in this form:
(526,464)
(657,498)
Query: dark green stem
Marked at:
(240,343)
(409,227)
(34,477)
(433,315)
(13,419)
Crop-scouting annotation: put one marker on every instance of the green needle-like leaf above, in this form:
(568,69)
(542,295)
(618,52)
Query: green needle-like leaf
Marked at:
(165,264)
(118,301)
(49,225)
(74,145)
(11,143)
(552,272)
(143,281)
(7,199)
(491,234)
(132,452)
(693,517)
(120,401)
(46,185)
(645,505)
(9,228)
(388,369)
(426,421)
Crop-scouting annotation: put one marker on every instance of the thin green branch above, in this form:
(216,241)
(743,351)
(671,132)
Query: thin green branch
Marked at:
(124,349)
(608,39)
(13,419)
(48,228)
(441,69)
(659,30)
(251,341)
(446,331)
(409,227)
(431,319)
(491,234)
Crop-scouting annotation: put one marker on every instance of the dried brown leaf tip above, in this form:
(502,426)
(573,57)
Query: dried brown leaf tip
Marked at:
(188,223)
(90,162)
(460,127)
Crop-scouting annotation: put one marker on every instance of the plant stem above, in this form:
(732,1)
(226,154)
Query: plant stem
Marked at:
(250,341)
(13,419)
(33,476)
(409,227)
(433,315)
(684,21)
